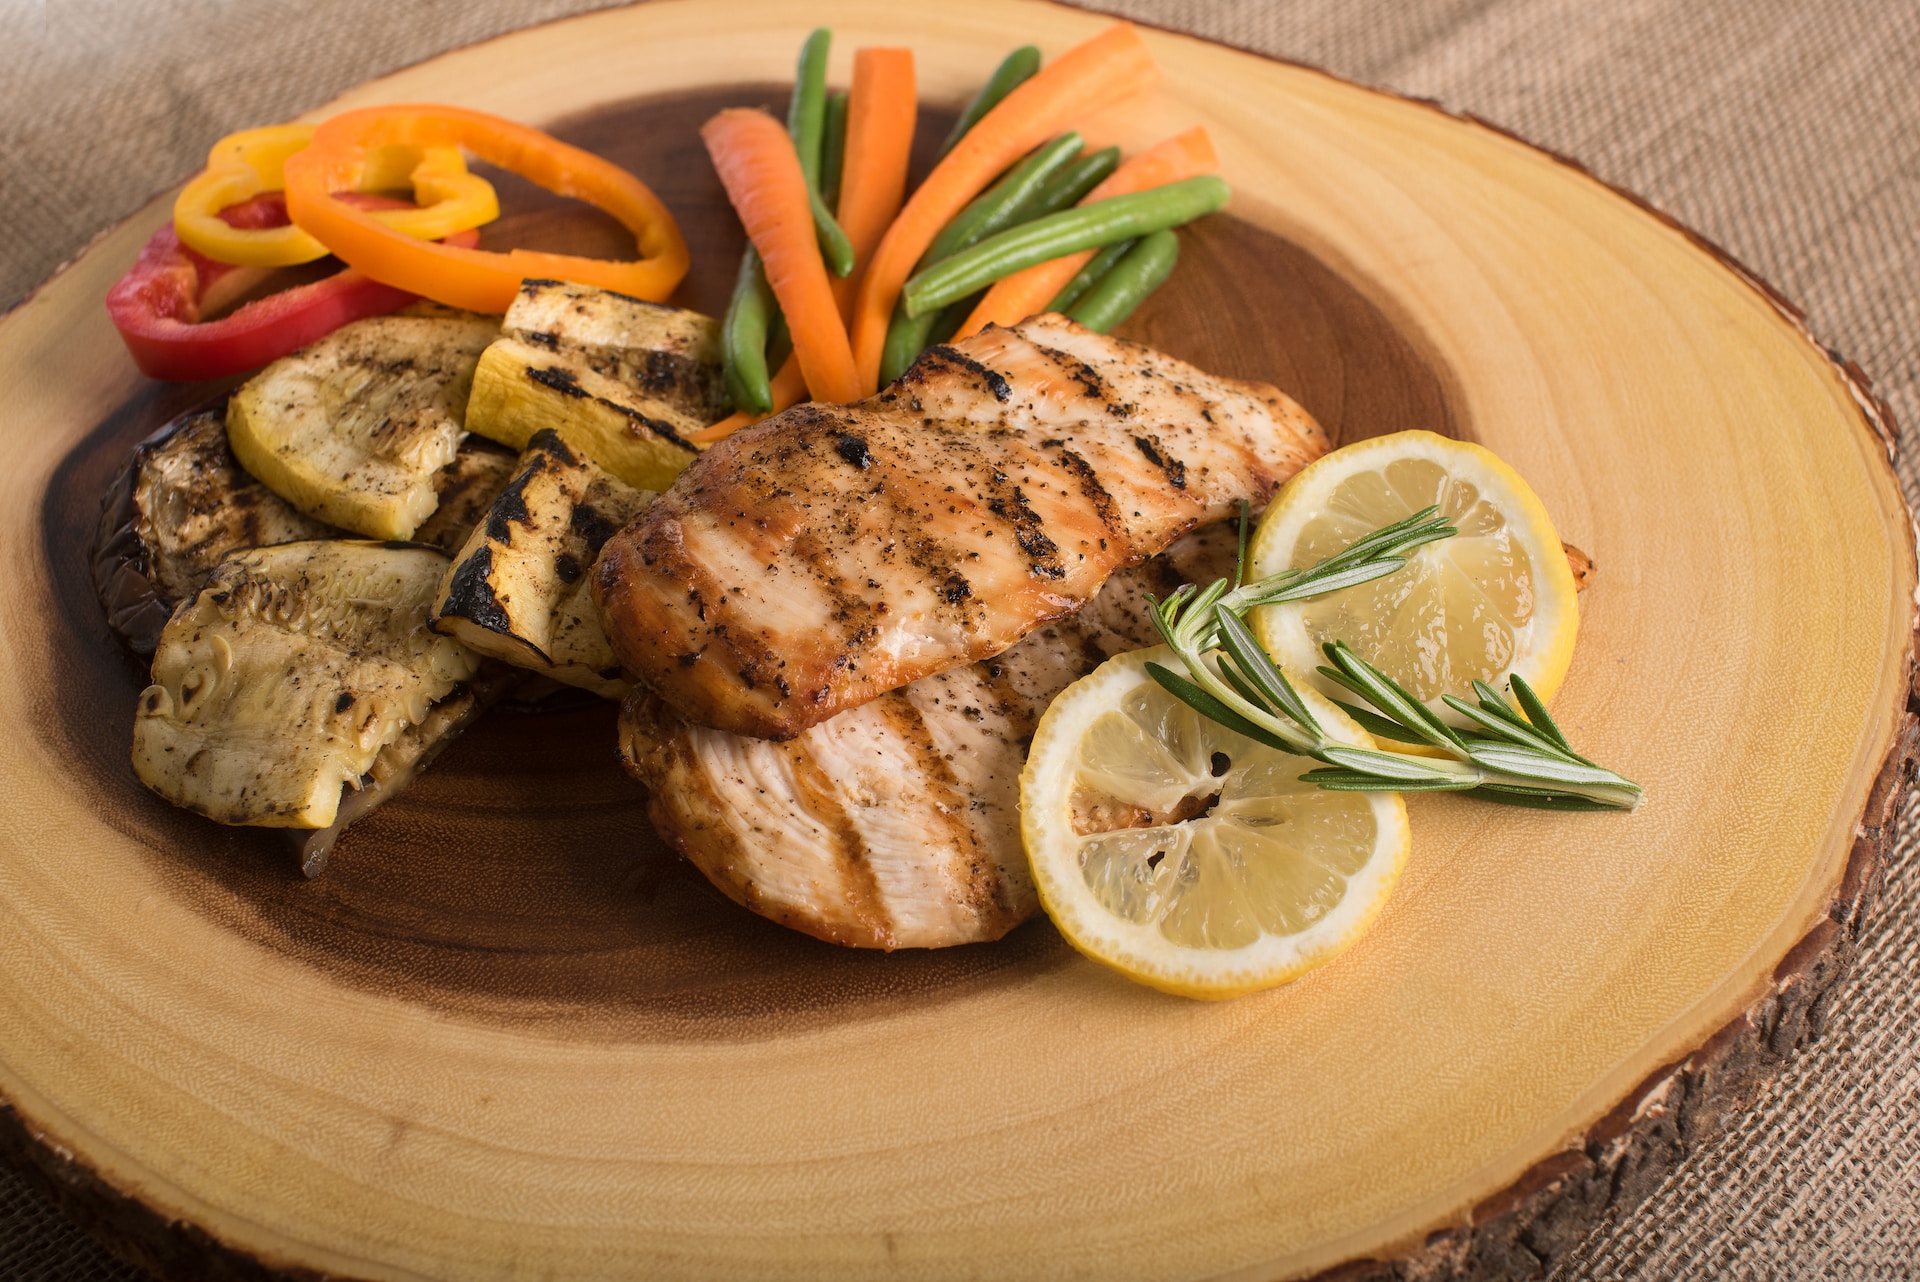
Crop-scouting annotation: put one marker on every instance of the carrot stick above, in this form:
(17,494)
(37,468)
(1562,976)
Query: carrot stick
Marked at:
(758,166)
(1088,77)
(789,389)
(880,117)
(1016,297)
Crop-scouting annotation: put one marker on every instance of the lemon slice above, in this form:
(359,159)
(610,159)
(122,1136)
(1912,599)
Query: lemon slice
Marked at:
(1496,598)
(1188,856)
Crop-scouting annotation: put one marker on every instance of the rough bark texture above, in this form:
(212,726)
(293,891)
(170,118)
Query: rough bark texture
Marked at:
(1515,1234)
(1521,1231)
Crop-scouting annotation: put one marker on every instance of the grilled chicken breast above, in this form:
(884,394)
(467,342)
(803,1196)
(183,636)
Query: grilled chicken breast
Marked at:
(833,553)
(895,824)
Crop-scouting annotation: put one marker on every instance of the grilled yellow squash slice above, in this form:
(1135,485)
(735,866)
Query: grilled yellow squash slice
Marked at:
(624,381)
(281,682)
(354,429)
(518,590)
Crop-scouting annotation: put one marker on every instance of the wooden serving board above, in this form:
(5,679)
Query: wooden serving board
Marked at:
(507,1036)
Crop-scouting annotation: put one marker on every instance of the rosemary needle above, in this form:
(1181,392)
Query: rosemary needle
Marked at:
(1515,755)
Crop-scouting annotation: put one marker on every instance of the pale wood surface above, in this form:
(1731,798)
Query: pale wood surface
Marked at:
(1755,579)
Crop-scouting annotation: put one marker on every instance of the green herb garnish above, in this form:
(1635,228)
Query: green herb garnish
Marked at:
(1513,755)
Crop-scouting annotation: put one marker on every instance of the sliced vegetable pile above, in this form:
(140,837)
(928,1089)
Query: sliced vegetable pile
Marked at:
(845,280)
(842,284)
(290,194)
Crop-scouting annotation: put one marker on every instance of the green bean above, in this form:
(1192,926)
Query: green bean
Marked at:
(807,109)
(907,337)
(999,206)
(807,126)
(1016,68)
(833,150)
(743,338)
(779,340)
(1067,232)
(1083,279)
(1074,182)
(1131,279)
(994,210)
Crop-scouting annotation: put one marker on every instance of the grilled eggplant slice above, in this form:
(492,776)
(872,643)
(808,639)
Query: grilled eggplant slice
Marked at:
(518,590)
(624,381)
(354,429)
(282,681)
(182,502)
(180,505)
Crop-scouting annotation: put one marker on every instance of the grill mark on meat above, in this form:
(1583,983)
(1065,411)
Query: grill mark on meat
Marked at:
(858,884)
(853,614)
(942,357)
(958,534)
(1020,715)
(1093,386)
(1156,454)
(1007,500)
(939,564)
(1094,492)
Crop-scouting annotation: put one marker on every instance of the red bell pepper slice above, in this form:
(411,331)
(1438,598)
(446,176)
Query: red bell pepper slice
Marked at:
(157,305)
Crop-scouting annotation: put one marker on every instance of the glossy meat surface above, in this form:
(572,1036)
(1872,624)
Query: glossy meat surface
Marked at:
(895,824)
(833,553)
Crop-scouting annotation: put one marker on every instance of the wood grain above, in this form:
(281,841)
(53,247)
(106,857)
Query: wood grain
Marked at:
(507,1035)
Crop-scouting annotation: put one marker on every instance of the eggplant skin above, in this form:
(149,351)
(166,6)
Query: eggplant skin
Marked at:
(180,504)
(282,681)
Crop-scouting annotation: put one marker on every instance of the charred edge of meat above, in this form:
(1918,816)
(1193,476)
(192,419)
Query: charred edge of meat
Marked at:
(564,381)
(931,360)
(123,576)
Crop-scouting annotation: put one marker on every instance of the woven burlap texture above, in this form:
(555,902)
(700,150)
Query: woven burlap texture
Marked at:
(1787,131)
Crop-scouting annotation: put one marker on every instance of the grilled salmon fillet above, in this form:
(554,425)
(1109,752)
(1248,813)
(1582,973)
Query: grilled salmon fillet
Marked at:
(833,553)
(895,824)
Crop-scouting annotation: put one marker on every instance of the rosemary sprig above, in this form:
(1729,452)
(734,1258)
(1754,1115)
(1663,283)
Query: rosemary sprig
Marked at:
(1513,755)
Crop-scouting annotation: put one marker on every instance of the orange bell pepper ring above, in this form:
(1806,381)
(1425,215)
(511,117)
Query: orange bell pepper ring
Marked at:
(252,162)
(478,280)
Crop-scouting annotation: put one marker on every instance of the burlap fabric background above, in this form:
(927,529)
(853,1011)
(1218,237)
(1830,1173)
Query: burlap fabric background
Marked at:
(1786,130)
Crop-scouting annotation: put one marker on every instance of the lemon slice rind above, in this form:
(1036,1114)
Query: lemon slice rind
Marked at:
(1141,950)
(1542,645)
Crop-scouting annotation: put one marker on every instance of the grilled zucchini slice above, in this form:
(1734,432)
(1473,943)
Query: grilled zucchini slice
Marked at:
(282,681)
(518,591)
(354,429)
(624,381)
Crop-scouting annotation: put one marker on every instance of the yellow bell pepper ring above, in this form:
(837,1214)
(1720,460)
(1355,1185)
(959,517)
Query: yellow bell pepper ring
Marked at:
(477,280)
(252,162)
